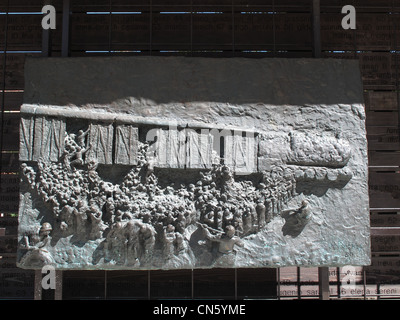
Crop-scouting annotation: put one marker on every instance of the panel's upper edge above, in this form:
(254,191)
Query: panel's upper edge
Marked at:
(103,80)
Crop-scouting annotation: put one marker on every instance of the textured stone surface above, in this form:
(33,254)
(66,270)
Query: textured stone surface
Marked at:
(165,163)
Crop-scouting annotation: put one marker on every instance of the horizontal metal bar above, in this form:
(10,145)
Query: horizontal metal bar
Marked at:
(113,12)
(21,13)
(197,5)
(385,231)
(384,209)
(385,253)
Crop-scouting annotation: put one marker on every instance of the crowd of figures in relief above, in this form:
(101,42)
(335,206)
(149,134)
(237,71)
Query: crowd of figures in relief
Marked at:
(155,217)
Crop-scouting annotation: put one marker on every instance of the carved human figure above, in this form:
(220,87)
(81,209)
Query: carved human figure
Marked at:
(112,243)
(81,137)
(303,214)
(260,209)
(29,173)
(78,153)
(227,174)
(209,218)
(38,253)
(237,221)
(65,159)
(80,218)
(96,223)
(218,216)
(180,222)
(44,236)
(226,244)
(67,216)
(131,243)
(92,165)
(247,222)
(150,168)
(109,210)
(147,239)
(169,241)
(181,245)
(296,219)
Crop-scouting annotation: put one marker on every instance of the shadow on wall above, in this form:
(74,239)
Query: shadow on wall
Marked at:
(158,80)
(319,188)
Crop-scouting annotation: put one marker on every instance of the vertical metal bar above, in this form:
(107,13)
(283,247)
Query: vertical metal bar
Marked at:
(233,29)
(110,26)
(316,23)
(355,37)
(298,283)
(37,295)
(3,89)
(397,63)
(191,33)
(323,283)
(46,43)
(105,284)
(236,284)
(148,285)
(278,278)
(365,282)
(192,288)
(59,285)
(151,27)
(338,282)
(65,47)
(378,291)
(274,27)
(46,37)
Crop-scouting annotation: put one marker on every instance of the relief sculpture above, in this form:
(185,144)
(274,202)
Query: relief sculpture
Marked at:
(153,218)
(114,190)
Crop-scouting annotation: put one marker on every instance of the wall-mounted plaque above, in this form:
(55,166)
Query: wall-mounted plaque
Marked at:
(182,163)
